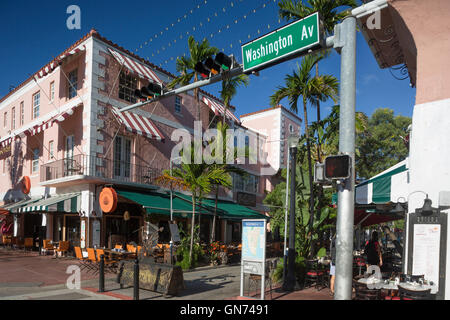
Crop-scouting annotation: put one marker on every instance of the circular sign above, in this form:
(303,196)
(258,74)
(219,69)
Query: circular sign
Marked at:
(108,200)
(26,184)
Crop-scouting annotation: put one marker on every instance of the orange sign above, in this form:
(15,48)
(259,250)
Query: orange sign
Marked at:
(26,184)
(108,200)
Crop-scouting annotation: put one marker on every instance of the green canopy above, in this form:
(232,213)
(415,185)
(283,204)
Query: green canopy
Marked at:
(159,203)
(227,209)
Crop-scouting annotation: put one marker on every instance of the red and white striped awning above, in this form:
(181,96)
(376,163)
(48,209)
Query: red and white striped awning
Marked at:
(49,123)
(138,124)
(139,68)
(5,142)
(219,109)
(55,63)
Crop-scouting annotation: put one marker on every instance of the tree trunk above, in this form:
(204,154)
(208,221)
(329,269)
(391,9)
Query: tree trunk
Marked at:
(192,230)
(213,231)
(308,147)
(224,113)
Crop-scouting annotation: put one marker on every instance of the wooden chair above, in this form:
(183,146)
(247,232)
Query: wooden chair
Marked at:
(47,246)
(110,265)
(118,246)
(13,242)
(62,248)
(362,292)
(28,244)
(6,240)
(93,260)
(84,262)
(406,294)
(315,275)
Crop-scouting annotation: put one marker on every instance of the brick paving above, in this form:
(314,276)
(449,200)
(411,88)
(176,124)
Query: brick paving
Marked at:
(27,275)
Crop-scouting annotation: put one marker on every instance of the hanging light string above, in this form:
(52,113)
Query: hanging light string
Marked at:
(194,28)
(235,22)
(173,24)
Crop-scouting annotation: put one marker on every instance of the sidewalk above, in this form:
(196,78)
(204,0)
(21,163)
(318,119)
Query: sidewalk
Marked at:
(26,275)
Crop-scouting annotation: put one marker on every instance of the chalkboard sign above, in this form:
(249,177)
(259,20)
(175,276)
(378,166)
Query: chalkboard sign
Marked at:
(428,246)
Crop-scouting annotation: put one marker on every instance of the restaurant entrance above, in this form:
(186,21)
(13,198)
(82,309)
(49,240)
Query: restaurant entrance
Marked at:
(72,224)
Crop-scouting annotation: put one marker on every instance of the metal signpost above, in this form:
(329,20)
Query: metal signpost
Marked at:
(253,257)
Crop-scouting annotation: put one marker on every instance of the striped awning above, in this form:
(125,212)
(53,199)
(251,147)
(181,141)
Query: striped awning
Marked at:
(136,67)
(138,124)
(49,123)
(219,109)
(55,63)
(388,186)
(14,206)
(69,202)
(5,142)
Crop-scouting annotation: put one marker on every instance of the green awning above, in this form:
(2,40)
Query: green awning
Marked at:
(159,203)
(12,207)
(228,209)
(69,202)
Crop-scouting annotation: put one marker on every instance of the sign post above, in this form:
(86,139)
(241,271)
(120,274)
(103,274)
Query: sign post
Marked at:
(283,44)
(253,258)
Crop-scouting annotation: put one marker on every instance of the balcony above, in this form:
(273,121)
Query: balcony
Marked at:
(96,170)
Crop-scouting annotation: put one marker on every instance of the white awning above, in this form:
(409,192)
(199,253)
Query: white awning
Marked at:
(69,202)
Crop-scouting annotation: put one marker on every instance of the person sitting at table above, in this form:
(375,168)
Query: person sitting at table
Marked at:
(373,251)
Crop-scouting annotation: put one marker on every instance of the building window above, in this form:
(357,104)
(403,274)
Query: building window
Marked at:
(52,90)
(13,118)
(122,157)
(248,183)
(5,119)
(22,114)
(50,150)
(177,104)
(127,86)
(35,162)
(36,104)
(291,128)
(73,83)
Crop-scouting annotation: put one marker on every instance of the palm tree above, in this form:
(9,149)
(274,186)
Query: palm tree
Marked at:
(228,169)
(197,178)
(311,90)
(229,90)
(198,53)
(330,16)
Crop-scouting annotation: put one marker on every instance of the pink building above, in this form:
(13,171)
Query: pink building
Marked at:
(61,129)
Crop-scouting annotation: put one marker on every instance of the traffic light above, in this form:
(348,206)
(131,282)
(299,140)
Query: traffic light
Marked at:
(337,167)
(211,66)
(223,61)
(149,92)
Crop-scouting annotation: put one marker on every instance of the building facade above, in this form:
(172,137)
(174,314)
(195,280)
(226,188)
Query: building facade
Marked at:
(61,132)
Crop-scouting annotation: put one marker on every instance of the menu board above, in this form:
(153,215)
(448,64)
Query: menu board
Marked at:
(426,251)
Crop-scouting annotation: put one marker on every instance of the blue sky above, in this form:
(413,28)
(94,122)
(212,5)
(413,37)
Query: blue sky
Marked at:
(33,32)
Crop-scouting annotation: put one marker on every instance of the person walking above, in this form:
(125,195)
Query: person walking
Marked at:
(373,251)
(332,264)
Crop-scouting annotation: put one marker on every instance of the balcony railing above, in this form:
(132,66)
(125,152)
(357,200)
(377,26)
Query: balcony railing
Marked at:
(99,167)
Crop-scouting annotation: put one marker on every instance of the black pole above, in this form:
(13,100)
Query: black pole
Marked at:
(290,281)
(136,280)
(101,278)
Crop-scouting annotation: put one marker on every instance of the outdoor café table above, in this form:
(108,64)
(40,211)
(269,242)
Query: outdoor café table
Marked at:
(119,254)
(381,284)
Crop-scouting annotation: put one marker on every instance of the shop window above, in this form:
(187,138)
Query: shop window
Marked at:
(127,86)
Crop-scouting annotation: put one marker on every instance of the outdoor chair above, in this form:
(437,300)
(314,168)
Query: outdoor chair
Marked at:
(315,275)
(362,292)
(406,294)
(62,248)
(84,262)
(28,244)
(14,242)
(110,265)
(6,240)
(47,246)
(118,246)
(93,260)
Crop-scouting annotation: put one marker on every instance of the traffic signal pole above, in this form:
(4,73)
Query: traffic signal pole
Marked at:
(345,42)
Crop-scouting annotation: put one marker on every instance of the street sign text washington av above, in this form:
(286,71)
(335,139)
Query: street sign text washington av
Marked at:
(285,43)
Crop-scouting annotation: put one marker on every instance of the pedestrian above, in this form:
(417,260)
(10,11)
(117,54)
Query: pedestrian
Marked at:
(372,251)
(332,264)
